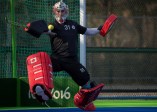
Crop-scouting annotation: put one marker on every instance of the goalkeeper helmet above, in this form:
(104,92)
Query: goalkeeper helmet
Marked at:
(61,11)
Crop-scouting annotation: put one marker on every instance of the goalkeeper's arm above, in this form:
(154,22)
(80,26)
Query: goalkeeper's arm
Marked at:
(103,29)
(92,31)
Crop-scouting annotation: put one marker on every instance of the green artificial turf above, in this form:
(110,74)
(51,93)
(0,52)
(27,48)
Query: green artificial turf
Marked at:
(126,103)
(102,103)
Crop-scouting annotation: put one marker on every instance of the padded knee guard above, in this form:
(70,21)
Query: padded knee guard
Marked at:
(40,75)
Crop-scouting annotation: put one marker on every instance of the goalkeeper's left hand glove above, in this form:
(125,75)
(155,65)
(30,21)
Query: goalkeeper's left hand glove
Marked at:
(107,26)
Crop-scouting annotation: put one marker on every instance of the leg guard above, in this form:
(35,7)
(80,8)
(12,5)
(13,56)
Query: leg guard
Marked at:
(40,75)
(84,98)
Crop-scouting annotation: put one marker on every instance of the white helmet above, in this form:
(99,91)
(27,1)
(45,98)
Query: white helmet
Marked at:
(61,11)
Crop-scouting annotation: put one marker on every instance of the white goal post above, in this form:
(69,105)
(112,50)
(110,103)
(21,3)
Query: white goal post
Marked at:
(83,37)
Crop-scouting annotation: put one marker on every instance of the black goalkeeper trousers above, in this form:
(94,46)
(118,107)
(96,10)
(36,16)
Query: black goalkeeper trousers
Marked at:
(73,67)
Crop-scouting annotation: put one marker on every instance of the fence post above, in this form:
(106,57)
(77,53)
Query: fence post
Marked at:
(14,68)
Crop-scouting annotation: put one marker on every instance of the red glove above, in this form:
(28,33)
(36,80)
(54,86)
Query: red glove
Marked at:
(107,25)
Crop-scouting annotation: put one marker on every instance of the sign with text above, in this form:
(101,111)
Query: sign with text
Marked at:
(62,93)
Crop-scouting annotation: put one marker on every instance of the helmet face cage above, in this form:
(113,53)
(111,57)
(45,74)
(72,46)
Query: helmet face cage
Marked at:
(61,11)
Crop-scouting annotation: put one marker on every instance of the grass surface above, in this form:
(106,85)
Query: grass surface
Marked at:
(126,103)
(102,103)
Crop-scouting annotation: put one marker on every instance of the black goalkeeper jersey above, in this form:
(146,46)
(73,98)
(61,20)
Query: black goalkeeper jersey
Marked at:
(65,44)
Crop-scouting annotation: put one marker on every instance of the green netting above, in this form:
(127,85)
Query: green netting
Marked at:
(5,41)
(26,11)
(34,10)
